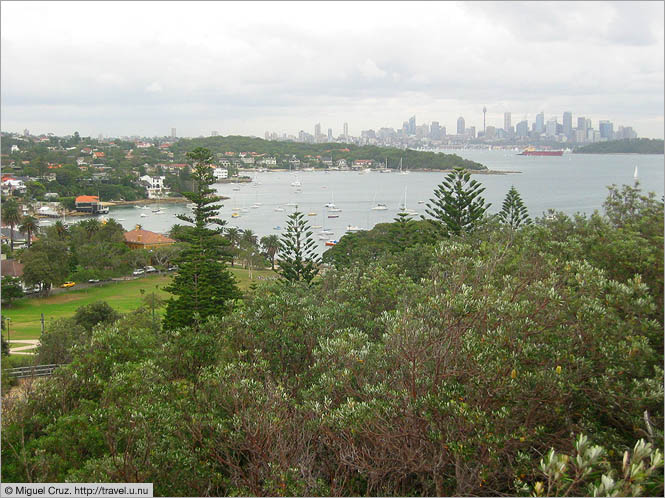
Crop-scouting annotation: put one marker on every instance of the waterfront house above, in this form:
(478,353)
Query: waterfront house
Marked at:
(154,186)
(89,204)
(145,239)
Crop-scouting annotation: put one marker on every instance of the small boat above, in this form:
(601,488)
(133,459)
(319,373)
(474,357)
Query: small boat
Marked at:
(380,207)
(296,183)
(316,226)
(323,237)
(255,206)
(234,215)
(143,215)
(290,204)
(421,202)
(279,209)
(331,243)
(277,227)
(333,216)
(119,219)
(311,214)
(325,231)
(137,206)
(335,210)
(145,207)
(401,171)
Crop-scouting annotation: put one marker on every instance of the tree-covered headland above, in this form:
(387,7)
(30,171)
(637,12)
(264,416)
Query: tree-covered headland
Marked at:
(505,358)
(625,146)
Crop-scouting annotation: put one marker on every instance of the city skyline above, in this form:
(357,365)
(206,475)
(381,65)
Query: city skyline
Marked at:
(62,72)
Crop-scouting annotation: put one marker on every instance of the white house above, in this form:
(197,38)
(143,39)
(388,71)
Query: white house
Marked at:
(221,173)
(154,186)
(14,148)
(13,185)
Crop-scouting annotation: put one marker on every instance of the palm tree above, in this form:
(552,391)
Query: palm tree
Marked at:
(270,245)
(60,229)
(91,227)
(29,225)
(11,215)
(233,235)
(249,237)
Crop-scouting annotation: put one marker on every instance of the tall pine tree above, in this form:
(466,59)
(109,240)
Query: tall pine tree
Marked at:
(298,262)
(513,212)
(203,286)
(457,206)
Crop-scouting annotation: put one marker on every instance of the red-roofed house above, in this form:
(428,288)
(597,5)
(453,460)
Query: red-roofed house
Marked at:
(145,239)
(97,155)
(90,204)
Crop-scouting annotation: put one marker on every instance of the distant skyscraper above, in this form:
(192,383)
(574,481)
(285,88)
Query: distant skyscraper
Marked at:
(507,125)
(472,131)
(26,132)
(214,133)
(172,132)
(317,130)
(606,129)
(522,129)
(484,113)
(412,125)
(346,130)
(329,134)
(568,123)
(460,126)
(540,122)
(581,124)
(435,131)
(551,127)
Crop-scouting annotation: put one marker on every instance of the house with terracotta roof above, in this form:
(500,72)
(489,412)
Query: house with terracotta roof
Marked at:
(145,239)
(90,204)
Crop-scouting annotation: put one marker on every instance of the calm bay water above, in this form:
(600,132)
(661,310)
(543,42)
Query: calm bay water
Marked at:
(571,183)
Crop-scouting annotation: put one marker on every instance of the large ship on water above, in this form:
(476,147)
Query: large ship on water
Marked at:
(531,151)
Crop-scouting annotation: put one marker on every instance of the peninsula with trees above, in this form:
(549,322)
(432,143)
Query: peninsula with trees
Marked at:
(626,146)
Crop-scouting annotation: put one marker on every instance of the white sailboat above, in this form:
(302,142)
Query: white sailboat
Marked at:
(635,173)
(404,209)
(401,171)
(331,205)
(379,206)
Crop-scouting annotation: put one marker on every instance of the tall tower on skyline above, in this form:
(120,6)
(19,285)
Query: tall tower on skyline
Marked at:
(507,122)
(460,126)
(484,113)
(172,132)
(346,130)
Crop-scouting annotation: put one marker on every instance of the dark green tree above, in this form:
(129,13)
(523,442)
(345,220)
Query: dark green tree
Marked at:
(29,226)
(513,212)
(11,289)
(298,260)
(11,215)
(270,244)
(203,286)
(457,206)
(94,313)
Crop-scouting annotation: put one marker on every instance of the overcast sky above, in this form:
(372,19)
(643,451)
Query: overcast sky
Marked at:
(130,68)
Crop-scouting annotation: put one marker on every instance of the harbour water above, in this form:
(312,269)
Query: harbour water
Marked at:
(570,183)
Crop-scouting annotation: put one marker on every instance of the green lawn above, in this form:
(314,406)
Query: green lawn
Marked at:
(125,296)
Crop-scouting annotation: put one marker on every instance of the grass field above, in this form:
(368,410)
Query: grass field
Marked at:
(25,313)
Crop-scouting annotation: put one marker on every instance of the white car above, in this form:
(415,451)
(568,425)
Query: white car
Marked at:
(140,271)
(150,269)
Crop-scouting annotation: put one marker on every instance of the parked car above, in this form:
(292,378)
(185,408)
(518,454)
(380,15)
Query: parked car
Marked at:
(93,281)
(150,269)
(172,268)
(68,284)
(140,271)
